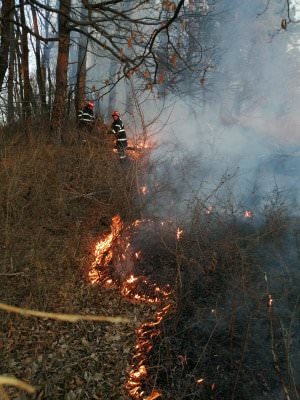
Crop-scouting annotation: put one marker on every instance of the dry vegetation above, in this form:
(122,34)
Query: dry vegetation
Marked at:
(224,340)
(234,331)
(55,201)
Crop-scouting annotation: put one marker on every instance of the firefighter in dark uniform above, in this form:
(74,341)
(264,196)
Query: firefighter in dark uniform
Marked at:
(117,128)
(86,117)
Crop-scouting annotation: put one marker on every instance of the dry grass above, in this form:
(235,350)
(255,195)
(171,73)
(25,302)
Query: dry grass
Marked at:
(235,311)
(54,203)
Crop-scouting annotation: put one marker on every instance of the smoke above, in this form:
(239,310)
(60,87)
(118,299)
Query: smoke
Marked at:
(237,145)
(244,122)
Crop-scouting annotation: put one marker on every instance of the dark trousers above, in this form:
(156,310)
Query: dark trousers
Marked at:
(121,147)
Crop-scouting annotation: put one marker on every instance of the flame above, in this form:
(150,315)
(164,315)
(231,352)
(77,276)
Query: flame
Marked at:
(154,395)
(179,233)
(209,209)
(141,143)
(270,301)
(248,214)
(131,289)
(138,147)
(103,253)
(144,190)
(145,335)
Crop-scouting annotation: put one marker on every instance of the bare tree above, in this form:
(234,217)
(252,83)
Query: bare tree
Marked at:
(133,35)
(81,64)
(57,115)
(25,65)
(5,25)
(11,73)
(40,72)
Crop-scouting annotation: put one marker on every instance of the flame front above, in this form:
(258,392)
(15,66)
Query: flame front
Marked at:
(145,335)
(103,253)
(131,289)
(137,148)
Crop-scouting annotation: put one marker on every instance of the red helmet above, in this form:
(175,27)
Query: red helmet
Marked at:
(90,104)
(115,114)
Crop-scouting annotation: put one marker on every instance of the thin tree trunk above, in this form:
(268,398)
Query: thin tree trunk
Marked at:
(20,87)
(45,62)
(11,74)
(112,100)
(61,70)
(81,68)
(4,47)
(40,76)
(50,88)
(25,65)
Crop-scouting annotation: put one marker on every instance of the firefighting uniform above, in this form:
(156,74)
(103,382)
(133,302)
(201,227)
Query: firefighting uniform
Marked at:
(118,130)
(86,116)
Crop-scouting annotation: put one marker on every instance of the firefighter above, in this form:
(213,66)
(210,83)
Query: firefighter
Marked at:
(86,116)
(117,128)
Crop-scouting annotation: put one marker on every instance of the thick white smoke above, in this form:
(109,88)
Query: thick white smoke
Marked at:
(249,123)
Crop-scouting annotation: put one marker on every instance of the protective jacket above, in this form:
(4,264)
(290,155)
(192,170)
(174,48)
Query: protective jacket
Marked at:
(86,115)
(118,130)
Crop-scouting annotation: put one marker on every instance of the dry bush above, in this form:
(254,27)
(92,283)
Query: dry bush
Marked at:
(232,335)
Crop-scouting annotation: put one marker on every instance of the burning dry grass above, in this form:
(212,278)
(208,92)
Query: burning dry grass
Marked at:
(222,301)
(231,286)
(226,339)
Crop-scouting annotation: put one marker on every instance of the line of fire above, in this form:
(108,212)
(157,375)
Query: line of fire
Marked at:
(213,325)
(209,329)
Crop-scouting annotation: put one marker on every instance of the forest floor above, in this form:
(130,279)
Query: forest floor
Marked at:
(227,337)
(55,202)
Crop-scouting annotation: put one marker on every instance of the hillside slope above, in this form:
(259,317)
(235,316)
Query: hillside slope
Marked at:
(55,202)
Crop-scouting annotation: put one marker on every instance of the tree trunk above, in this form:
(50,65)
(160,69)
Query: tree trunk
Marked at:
(11,73)
(45,61)
(40,75)
(57,115)
(20,86)
(5,40)
(112,100)
(25,66)
(81,67)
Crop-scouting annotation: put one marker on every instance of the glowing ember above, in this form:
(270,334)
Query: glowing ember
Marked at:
(248,214)
(154,395)
(179,233)
(140,144)
(144,190)
(209,209)
(270,301)
(137,148)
